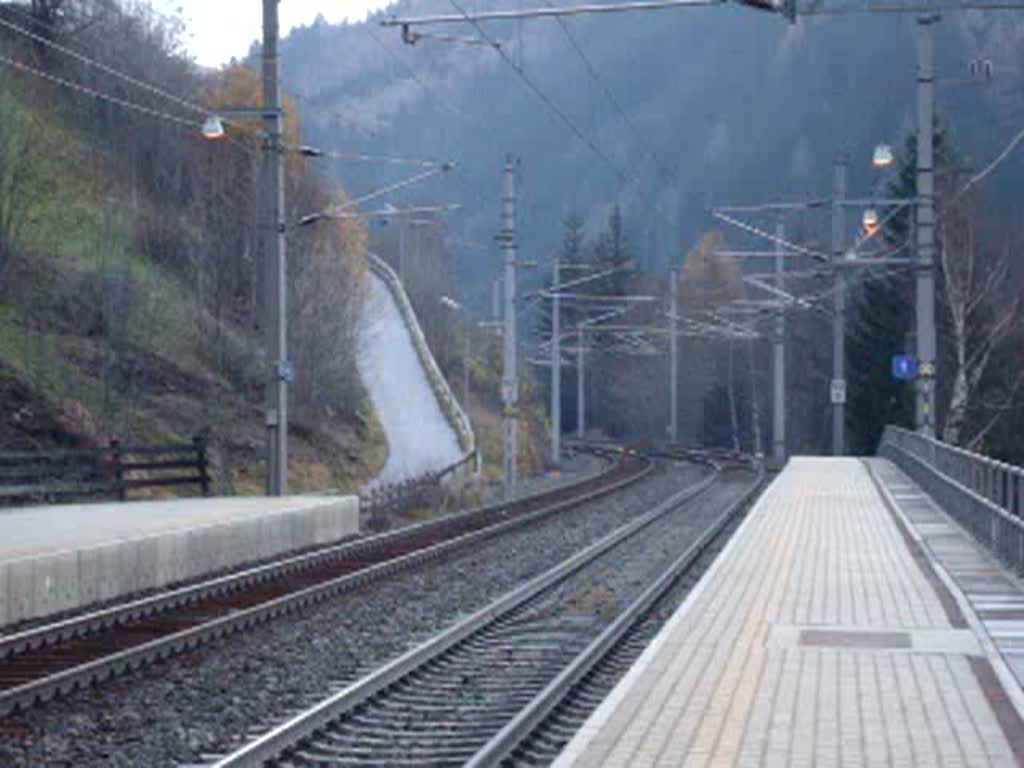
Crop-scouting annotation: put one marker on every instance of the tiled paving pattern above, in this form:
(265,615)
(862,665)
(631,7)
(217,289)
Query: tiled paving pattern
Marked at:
(816,639)
(996,596)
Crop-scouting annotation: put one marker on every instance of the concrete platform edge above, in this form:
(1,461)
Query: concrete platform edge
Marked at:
(599,718)
(42,585)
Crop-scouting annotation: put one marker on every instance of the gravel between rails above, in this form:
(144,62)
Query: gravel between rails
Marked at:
(486,678)
(545,742)
(191,706)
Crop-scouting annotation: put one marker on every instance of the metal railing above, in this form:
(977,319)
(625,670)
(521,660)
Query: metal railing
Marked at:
(396,498)
(984,495)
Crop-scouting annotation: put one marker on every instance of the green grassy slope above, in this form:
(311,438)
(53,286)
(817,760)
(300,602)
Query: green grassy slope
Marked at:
(98,341)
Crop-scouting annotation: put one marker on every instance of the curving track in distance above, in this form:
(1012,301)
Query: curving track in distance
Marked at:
(476,692)
(58,658)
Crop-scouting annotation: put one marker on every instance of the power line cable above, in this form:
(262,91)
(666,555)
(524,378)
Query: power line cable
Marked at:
(116,100)
(540,94)
(149,87)
(980,176)
(187,104)
(609,94)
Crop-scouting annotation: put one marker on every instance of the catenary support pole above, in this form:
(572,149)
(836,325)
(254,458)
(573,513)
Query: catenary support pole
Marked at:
(755,401)
(403,225)
(838,388)
(581,406)
(275,260)
(779,361)
(556,367)
(466,358)
(924,410)
(673,357)
(509,384)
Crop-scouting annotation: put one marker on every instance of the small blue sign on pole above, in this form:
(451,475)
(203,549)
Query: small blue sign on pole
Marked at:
(904,367)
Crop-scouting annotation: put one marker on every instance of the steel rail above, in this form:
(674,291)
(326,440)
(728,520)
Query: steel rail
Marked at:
(281,739)
(103,664)
(518,730)
(86,623)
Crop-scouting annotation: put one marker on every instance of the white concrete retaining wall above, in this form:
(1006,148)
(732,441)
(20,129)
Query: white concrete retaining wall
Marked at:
(451,407)
(51,569)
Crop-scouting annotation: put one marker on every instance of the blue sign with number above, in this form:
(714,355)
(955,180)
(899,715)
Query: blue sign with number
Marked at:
(904,367)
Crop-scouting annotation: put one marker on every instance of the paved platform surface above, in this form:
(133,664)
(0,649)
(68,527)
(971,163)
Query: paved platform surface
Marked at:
(827,633)
(64,557)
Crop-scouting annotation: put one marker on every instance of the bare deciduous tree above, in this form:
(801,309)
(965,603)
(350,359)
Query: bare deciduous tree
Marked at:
(983,313)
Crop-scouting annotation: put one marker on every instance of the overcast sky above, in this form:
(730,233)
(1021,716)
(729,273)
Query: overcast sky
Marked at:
(216,30)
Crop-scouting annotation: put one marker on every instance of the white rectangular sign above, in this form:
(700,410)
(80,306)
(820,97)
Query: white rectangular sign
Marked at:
(838,391)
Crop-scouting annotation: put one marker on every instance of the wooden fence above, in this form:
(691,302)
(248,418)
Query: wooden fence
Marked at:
(113,471)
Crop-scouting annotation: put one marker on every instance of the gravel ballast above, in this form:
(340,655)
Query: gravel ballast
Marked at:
(480,682)
(194,705)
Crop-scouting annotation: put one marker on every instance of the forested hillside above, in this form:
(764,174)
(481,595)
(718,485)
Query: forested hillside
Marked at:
(130,253)
(721,105)
(679,111)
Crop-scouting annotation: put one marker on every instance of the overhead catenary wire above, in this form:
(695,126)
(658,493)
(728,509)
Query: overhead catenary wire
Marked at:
(772,238)
(348,205)
(577,9)
(982,174)
(178,100)
(365,158)
(566,120)
(610,96)
(417,79)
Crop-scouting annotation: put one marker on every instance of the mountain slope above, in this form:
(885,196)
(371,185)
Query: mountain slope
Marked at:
(724,105)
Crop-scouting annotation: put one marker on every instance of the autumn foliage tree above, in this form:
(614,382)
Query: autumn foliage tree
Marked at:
(707,282)
(138,293)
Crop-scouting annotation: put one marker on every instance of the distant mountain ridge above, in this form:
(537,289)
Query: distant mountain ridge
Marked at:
(725,105)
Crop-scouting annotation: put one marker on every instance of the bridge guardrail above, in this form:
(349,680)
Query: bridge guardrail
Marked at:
(984,495)
(450,407)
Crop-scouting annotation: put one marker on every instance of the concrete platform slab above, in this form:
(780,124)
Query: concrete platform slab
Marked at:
(59,558)
(825,634)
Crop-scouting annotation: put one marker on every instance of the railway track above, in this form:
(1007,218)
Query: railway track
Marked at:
(474,693)
(57,658)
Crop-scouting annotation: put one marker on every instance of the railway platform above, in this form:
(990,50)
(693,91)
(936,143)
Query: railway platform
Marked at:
(848,622)
(61,558)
